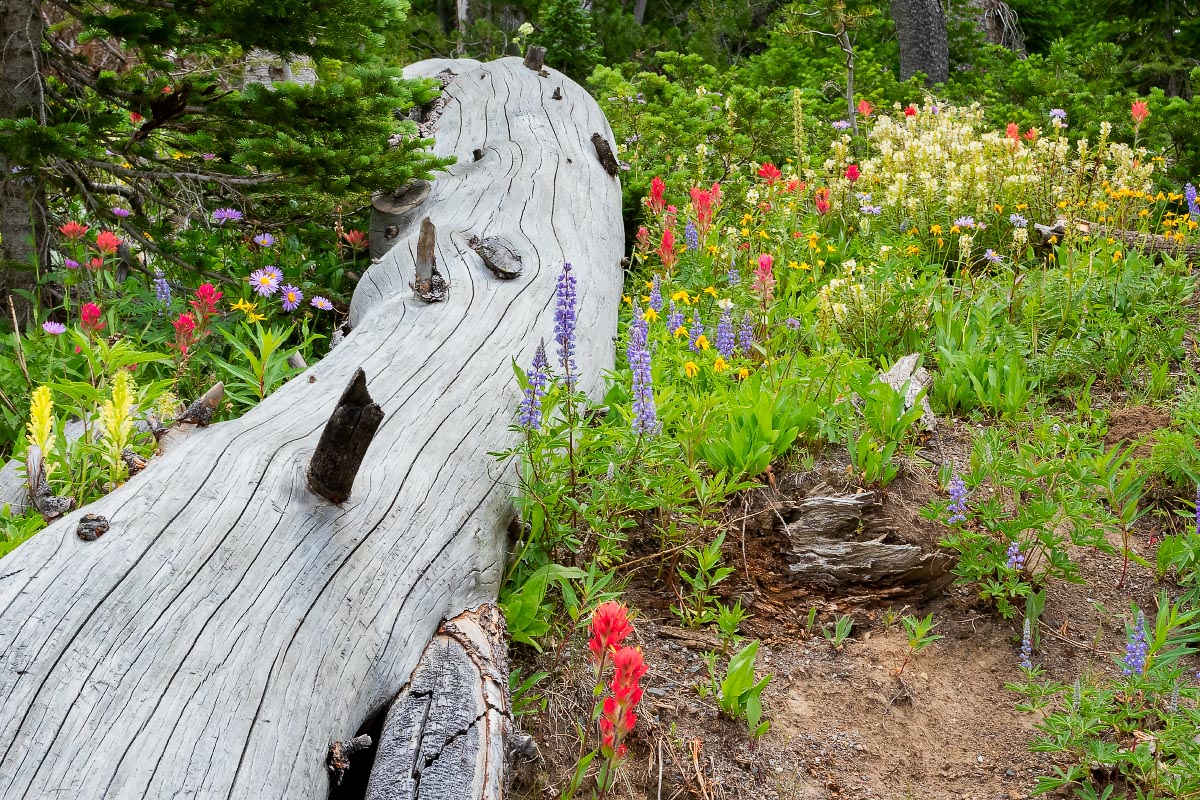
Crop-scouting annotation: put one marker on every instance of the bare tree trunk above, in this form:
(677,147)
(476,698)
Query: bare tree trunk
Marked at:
(639,11)
(232,622)
(22,227)
(924,46)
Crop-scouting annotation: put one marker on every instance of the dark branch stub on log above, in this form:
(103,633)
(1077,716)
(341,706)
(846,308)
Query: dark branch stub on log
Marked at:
(48,504)
(338,760)
(535,57)
(498,256)
(201,412)
(344,441)
(604,152)
(428,285)
(91,527)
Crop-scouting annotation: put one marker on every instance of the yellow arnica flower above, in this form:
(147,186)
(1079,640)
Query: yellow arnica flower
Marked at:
(41,420)
(626,299)
(680,331)
(650,315)
(713,249)
(690,369)
(246,307)
(793,265)
(743,373)
(936,230)
(702,342)
(719,365)
(745,231)
(680,295)
(710,290)
(649,284)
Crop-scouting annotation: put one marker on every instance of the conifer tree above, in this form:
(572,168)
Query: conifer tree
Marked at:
(144,104)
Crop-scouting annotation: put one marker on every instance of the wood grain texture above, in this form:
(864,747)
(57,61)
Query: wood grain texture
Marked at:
(231,623)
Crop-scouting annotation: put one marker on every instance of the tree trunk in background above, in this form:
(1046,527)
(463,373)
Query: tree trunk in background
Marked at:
(232,623)
(20,96)
(924,46)
(639,11)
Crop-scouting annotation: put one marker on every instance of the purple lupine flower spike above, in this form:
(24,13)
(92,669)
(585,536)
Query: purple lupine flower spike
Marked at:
(1189,196)
(656,298)
(958,501)
(1026,661)
(639,330)
(695,331)
(162,289)
(746,334)
(733,277)
(645,414)
(529,412)
(1136,649)
(691,236)
(725,333)
(1016,559)
(565,319)
(674,319)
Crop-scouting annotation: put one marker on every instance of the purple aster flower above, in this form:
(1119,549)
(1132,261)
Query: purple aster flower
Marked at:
(1026,661)
(1136,649)
(223,215)
(208,156)
(873,211)
(53,328)
(264,240)
(840,124)
(321,302)
(162,289)
(529,412)
(792,323)
(745,336)
(565,318)
(992,257)
(1016,559)
(691,235)
(639,330)
(70,263)
(1189,196)
(958,501)
(674,319)
(656,298)
(725,334)
(121,212)
(965,222)
(290,296)
(265,281)
(1017,221)
(695,331)
(1058,114)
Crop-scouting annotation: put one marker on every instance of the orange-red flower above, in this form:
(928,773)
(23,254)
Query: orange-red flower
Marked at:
(910,111)
(865,108)
(617,716)
(356,239)
(1139,111)
(655,201)
(73,230)
(610,626)
(107,243)
(770,173)
(89,318)
(666,249)
(852,173)
(1012,131)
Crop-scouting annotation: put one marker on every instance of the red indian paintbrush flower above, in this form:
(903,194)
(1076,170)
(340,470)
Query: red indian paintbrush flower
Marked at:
(852,173)
(655,201)
(702,201)
(617,716)
(610,626)
(107,243)
(89,318)
(865,108)
(1139,111)
(666,249)
(356,239)
(821,199)
(73,230)
(910,111)
(770,173)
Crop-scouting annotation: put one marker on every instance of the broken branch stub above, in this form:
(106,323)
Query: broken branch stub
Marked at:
(604,152)
(201,412)
(535,57)
(49,505)
(344,441)
(428,285)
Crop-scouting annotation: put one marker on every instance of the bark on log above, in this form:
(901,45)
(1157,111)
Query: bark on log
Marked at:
(231,624)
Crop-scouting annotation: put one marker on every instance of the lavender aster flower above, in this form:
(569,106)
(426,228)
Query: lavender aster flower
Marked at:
(1016,559)
(53,328)
(223,215)
(70,263)
(208,156)
(290,296)
(321,302)
(1058,114)
(691,235)
(725,333)
(645,414)
(1026,661)
(162,289)
(958,501)
(1017,221)
(873,211)
(122,213)
(695,331)
(792,323)
(674,319)
(264,240)
(529,412)
(656,298)
(965,222)
(266,281)
(992,257)
(745,336)
(1136,649)
(565,318)
(840,124)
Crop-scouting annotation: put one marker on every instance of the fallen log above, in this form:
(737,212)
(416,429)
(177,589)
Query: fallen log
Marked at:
(1150,243)
(231,623)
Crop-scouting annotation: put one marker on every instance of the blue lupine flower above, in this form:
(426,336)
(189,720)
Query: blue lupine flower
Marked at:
(639,330)
(695,331)
(1016,559)
(162,289)
(529,413)
(645,415)
(1026,661)
(691,236)
(674,319)
(656,298)
(1136,649)
(1189,196)
(958,501)
(745,335)
(725,333)
(565,319)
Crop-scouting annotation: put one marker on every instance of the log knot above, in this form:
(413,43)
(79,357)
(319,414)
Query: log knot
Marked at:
(344,442)
(604,152)
(92,527)
(498,256)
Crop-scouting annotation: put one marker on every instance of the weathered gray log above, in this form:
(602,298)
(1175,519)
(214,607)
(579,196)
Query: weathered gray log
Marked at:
(1149,243)
(445,735)
(231,623)
(344,442)
(393,212)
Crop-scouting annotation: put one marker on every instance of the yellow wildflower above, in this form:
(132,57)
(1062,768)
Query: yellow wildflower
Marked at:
(680,295)
(41,422)
(650,315)
(936,230)
(743,373)
(793,265)
(680,331)
(690,369)
(719,365)
(710,290)
(713,249)
(745,231)
(626,299)
(702,342)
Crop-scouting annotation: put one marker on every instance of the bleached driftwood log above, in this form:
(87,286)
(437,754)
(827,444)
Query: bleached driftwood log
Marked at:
(231,623)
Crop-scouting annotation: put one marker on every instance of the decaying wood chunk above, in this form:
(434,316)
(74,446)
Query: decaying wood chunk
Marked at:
(604,152)
(48,504)
(906,373)
(445,737)
(428,284)
(201,411)
(1154,244)
(503,261)
(344,442)
(91,527)
(535,57)
(338,760)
